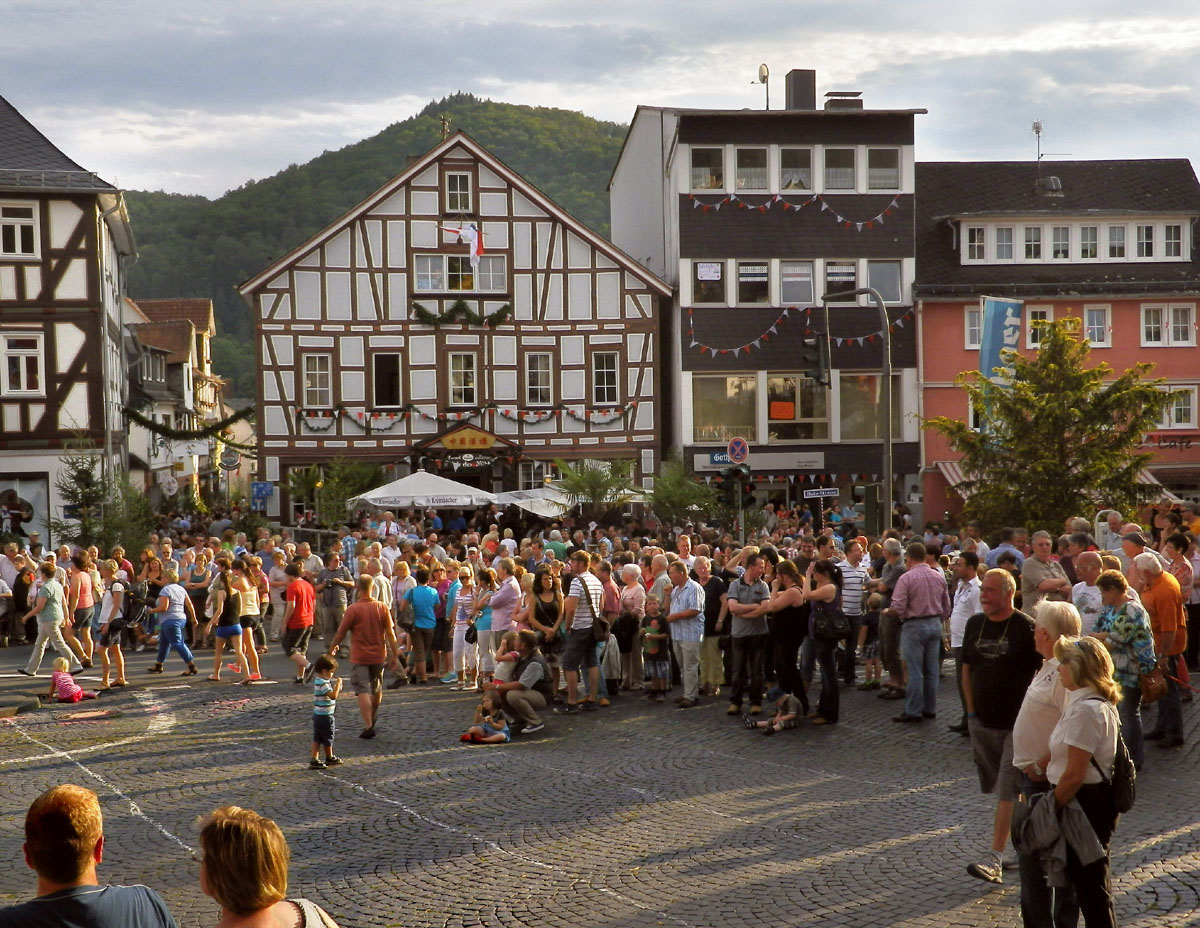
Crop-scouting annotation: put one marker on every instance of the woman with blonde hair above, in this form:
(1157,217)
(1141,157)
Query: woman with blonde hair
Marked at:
(244,861)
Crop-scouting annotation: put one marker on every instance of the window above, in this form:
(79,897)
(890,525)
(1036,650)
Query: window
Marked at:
(1087,242)
(796,282)
(605,382)
(463,379)
(840,276)
(884,276)
(861,396)
(883,169)
(1173,241)
(972,327)
(708,282)
(839,168)
(1095,324)
(1060,243)
(1183,326)
(18,230)
(534,474)
(24,373)
(318,380)
(1145,241)
(751,169)
(724,407)
(1004,244)
(1036,314)
(753,282)
(539,389)
(795,169)
(1033,243)
(1116,241)
(458,193)
(1181,411)
(1164,326)
(796,408)
(975,243)
(1152,326)
(708,169)
(437,273)
(385,380)
(154,366)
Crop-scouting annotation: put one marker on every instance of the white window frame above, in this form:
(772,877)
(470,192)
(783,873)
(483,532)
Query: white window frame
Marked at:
(763,262)
(1031,243)
(533,475)
(899,169)
(1169,337)
(1189,401)
(1032,338)
(546,389)
(452,195)
(790,148)
(1010,244)
(972,327)
(1188,337)
(1172,244)
(719,184)
(439,266)
(764,408)
(464,393)
(839,262)
(36,353)
(1144,236)
(976,244)
(853,168)
(16,224)
(899,298)
(375,404)
(1095,242)
(766,169)
(723,269)
(1057,243)
(1113,244)
(812,284)
(310,366)
(1106,309)
(604,393)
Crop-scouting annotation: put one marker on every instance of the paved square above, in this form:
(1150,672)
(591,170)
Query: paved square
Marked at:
(636,816)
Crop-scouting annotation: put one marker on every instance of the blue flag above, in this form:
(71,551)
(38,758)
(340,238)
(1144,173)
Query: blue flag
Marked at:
(1000,327)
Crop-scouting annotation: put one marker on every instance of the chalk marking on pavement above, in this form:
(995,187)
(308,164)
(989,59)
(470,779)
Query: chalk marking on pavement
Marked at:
(162,720)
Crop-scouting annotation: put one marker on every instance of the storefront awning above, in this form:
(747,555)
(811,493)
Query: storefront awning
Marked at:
(954,475)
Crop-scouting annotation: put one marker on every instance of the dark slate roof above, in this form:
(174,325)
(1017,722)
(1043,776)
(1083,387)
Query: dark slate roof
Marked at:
(30,161)
(992,190)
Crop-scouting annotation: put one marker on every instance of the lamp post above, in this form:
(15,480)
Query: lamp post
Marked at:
(886,370)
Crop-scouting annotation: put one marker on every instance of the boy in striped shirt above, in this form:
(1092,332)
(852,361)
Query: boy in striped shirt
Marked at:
(325,694)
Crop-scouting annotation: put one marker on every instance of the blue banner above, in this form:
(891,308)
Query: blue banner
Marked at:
(1000,327)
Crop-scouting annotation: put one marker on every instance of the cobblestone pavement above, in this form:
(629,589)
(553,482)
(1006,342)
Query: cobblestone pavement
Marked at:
(639,815)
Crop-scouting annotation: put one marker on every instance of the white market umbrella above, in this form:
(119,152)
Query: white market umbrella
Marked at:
(425,490)
(545,502)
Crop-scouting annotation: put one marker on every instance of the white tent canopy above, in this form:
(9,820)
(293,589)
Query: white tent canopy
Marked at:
(425,490)
(544,502)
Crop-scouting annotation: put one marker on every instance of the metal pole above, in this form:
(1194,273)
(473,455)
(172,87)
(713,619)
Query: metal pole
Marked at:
(886,372)
(741,514)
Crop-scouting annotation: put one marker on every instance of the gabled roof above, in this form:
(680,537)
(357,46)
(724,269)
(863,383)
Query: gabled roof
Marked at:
(30,161)
(176,337)
(198,312)
(477,151)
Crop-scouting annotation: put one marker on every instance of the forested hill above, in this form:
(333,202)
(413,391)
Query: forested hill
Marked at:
(190,246)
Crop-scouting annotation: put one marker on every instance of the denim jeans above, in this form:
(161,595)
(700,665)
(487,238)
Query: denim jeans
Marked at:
(170,635)
(1042,906)
(748,654)
(828,702)
(1129,709)
(920,646)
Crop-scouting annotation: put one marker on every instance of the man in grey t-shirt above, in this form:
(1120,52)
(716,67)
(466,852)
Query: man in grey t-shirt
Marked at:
(333,583)
(749,634)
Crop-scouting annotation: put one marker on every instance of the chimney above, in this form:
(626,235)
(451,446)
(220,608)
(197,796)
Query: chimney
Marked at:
(800,89)
(844,100)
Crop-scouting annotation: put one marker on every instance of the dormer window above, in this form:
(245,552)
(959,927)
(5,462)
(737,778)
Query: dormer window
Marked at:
(458,192)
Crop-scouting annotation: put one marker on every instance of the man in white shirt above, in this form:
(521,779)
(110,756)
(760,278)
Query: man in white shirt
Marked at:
(964,604)
(855,579)
(1085,594)
(982,548)
(388,525)
(684,548)
(8,570)
(391,551)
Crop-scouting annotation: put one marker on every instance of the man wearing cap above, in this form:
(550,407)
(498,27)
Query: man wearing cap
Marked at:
(1133,543)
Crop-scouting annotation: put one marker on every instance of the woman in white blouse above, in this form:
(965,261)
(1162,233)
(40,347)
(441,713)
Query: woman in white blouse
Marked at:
(1082,747)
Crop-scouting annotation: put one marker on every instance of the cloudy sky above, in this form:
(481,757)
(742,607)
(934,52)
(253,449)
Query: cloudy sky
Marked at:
(200,96)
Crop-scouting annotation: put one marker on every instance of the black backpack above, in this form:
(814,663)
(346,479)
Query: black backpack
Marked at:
(133,603)
(1124,775)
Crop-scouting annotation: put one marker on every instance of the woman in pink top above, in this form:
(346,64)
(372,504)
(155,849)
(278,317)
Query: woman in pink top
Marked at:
(506,599)
(81,606)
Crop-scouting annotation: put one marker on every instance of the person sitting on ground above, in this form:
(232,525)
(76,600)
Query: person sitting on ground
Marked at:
(63,687)
(64,843)
(788,713)
(491,727)
(243,866)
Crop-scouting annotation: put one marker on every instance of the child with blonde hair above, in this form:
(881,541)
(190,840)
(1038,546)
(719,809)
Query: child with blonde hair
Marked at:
(63,687)
(506,656)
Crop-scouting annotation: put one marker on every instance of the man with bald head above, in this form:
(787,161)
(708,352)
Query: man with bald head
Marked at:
(1085,594)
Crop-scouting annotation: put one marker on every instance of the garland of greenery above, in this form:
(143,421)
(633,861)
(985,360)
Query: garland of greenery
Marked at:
(214,430)
(323,420)
(460,311)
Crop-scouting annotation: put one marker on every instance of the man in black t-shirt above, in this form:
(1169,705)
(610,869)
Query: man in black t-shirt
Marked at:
(999,659)
(64,842)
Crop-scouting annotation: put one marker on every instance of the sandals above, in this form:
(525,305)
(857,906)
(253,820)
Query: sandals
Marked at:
(119,683)
(214,679)
(749,722)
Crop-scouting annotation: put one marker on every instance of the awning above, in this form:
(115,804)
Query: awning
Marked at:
(1150,480)
(953,473)
(424,489)
(544,502)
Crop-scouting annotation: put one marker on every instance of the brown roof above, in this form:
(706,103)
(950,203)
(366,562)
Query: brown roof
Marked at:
(196,311)
(174,337)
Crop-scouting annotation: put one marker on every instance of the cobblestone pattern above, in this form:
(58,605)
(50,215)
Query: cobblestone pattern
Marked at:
(636,816)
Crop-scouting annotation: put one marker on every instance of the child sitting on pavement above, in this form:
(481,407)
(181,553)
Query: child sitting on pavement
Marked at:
(63,687)
(787,713)
(491,727)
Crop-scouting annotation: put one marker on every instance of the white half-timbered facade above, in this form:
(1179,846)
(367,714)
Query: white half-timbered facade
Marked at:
(64,236)
(460,321)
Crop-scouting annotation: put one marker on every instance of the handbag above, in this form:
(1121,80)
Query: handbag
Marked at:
(829,624)
(471,635)
(1153,685)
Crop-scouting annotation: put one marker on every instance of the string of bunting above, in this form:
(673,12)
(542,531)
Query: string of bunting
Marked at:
(777,200)
(815,479)
(323,420)
(773,330)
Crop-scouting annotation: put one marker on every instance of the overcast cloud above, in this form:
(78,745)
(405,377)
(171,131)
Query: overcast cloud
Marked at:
(201,97)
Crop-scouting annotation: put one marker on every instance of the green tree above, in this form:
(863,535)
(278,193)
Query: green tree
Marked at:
(599,488)
(84,492)
(1058,441)
(676,497)
(344,479)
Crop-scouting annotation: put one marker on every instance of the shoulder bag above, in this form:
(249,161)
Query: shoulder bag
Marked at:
(829,622)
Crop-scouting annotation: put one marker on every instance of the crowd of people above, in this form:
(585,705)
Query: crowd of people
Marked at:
(565,618)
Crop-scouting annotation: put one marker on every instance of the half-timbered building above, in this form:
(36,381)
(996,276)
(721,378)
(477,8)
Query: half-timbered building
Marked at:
(457,320)
(64,237)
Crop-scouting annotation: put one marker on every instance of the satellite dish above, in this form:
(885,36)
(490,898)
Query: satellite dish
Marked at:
(763,73)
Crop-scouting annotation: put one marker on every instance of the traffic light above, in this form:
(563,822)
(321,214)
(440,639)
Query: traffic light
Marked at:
(813,358)
(736,486)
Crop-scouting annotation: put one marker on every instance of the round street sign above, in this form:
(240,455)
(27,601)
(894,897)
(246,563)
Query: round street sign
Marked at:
(170,486)
(229,460)
(739,451)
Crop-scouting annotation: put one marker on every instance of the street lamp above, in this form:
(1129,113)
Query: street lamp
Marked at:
(887,385)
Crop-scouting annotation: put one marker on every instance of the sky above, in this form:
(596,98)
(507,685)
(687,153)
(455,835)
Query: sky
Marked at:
(201,96)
